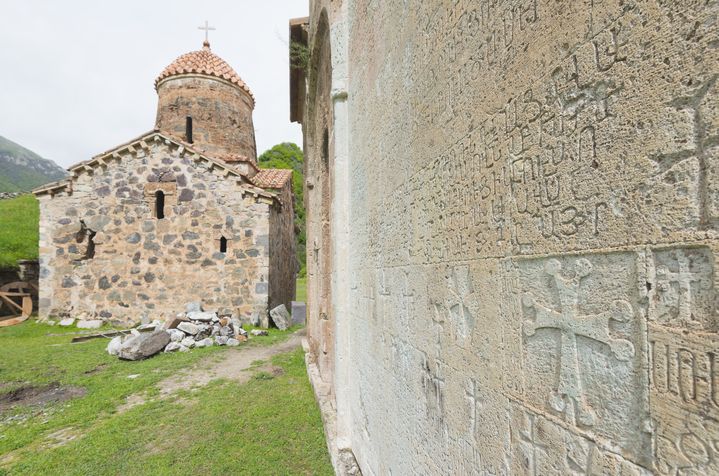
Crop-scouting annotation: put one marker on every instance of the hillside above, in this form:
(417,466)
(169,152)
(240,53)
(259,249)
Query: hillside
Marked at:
(18,230)
(22,169)
(289,156)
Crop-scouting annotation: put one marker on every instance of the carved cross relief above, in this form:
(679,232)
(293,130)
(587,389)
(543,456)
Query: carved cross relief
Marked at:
(685,279)
(570,322)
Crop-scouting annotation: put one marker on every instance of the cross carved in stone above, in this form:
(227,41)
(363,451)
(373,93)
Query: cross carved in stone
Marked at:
(529,437)
(474,404)
(408,298)
(684,278)
(571,323)
(461,292)
(384,293)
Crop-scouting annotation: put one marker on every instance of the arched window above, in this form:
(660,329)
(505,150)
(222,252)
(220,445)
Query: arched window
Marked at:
(160,204)
(223,245)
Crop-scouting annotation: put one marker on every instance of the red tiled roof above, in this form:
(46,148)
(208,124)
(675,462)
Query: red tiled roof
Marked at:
(272,178)
(206,62)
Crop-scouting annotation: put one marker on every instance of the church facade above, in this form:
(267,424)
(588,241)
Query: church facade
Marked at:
(179,214)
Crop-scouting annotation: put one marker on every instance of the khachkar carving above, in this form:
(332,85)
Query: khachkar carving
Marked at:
(453,300)
(684,289)
(569,396)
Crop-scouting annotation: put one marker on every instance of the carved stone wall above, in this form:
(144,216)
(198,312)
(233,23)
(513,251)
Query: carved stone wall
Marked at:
(104,253)
(533,236)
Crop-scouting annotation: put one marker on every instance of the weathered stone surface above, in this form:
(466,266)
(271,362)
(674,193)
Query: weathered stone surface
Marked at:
(201,316)
(188,342)
(512,234)
(259,332)
(113,347)
(144,345)
(221,340)
(281,317)
(176,335)
(188,328)
(206,342)
(232,342)
(195,306)
(173,346)
(68,321)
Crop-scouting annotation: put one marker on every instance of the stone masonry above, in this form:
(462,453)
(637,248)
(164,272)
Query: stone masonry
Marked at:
(513,234)
(139,231)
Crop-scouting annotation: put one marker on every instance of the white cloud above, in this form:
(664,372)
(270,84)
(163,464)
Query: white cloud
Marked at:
(76,77)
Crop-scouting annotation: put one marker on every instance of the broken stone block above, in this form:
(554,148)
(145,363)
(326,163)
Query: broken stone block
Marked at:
(201,316)
(113,347)
(188,342)
(184,348)
(206,342)
(232,342)
(225,331)
(259,332)
(221,340)
(255,319)
(172,347)
(176,335)
(68,321)
(281,317)
(193,307)
(91,324)
(144,346)
(189,328)
(241,331)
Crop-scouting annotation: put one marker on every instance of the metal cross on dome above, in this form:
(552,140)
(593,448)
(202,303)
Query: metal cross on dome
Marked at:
(207,29)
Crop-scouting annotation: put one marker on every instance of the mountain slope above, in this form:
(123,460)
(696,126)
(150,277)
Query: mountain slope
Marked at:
(22,170)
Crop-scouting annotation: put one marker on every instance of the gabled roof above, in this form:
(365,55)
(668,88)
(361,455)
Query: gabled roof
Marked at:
(203,62)
(272,178)
(142,143)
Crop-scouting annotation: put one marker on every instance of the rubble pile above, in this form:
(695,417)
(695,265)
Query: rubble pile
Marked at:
(195,328)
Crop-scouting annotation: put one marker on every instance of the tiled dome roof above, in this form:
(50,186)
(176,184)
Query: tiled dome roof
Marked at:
(205,62)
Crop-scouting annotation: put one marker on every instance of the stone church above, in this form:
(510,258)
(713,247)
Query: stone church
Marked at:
(513,234)
(179,214)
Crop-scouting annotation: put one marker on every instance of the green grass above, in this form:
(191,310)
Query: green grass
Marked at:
(18,230)
(269,425)
(301,290)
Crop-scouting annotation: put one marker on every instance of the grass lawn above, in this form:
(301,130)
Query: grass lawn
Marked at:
(269,425)
(18,230)
(301,293)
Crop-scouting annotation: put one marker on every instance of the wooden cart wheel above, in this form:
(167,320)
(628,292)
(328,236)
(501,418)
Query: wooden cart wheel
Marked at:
(15,302)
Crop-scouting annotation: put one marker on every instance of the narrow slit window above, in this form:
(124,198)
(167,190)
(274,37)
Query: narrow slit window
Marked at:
(223,245)
(160,204)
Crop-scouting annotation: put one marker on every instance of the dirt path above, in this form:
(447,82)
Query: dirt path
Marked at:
(236,364)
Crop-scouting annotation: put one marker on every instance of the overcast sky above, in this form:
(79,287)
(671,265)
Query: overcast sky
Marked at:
(77,76)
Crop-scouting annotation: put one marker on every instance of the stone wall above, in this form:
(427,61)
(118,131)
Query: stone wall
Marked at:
(139,265)
(221,114)
(283,257)
(532,235)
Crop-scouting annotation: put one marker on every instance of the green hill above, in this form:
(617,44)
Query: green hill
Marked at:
(22,169)
(18,230)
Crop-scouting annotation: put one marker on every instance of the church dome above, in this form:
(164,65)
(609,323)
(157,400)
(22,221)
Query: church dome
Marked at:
(202,100)
(203,62)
